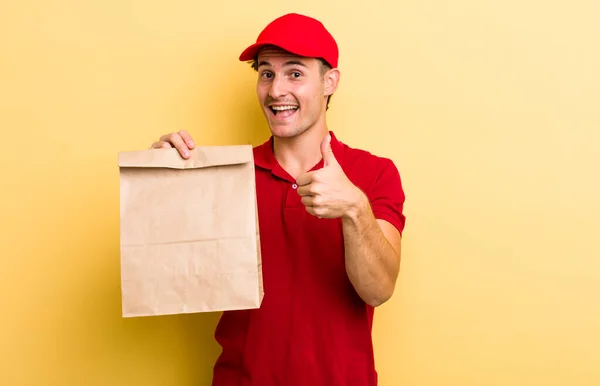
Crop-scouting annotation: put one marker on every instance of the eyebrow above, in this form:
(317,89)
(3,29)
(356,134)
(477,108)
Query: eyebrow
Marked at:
(288,63)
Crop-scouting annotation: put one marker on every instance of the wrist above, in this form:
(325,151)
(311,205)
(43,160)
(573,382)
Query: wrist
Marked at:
(357,207)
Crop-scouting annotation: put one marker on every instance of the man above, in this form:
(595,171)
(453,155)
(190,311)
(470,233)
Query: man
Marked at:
(330,218)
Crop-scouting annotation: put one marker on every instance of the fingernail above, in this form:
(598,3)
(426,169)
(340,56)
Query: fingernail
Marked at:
(186,153)
(191,143)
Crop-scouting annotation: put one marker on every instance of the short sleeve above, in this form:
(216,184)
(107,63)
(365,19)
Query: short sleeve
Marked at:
(387,195)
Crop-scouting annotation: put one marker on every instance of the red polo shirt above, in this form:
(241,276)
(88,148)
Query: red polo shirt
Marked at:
(312,328)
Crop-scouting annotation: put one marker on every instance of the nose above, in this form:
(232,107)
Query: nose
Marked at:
(278,88)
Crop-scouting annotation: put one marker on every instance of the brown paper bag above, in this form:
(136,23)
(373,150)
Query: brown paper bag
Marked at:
(189,231)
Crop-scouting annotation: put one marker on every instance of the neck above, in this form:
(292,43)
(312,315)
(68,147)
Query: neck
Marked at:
(301,153)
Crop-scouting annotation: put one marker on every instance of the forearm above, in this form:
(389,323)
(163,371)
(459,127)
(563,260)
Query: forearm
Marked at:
(372,264)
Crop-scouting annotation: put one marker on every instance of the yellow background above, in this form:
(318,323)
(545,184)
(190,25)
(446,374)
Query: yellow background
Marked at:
(490,109)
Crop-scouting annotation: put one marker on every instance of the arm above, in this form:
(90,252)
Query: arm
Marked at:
(371,225)
(372,253)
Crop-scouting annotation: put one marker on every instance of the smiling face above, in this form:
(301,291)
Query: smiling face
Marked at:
(293,91)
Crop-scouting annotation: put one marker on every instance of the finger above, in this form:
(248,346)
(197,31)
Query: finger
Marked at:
(304,190)
(317,212)
(160,145)
(327,153)
(310,210)
(176,141)
(304,179)
(187,138)
(312,189)
(308,201)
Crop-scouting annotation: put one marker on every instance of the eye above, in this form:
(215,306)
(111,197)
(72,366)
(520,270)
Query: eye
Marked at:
(296,74)
(266,75)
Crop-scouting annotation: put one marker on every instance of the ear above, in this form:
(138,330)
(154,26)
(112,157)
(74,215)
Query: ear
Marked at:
(331,80)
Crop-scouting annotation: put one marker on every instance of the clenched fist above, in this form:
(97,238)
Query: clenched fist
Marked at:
(327,192)
(181,140)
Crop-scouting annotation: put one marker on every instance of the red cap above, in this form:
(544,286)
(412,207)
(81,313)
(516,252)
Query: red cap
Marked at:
(301,35)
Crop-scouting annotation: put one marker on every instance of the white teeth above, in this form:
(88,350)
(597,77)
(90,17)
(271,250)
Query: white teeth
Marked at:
(282,108)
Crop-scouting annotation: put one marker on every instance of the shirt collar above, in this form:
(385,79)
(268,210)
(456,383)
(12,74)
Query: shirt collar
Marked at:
(265,158)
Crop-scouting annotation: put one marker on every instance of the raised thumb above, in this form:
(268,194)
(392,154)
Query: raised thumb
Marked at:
(328,157)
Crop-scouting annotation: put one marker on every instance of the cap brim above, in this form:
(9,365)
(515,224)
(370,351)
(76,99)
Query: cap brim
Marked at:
(251,52)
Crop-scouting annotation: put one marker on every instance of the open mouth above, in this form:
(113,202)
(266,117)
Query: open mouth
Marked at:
(283,111)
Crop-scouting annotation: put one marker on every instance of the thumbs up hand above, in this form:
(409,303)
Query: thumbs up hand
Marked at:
(327,192)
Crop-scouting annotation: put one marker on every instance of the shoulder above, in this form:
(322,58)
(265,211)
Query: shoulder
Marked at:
(263,155)
(260,149)
(379,178)
(367,167)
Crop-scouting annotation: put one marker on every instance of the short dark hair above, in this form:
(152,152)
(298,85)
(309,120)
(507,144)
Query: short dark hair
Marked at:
(324,68)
